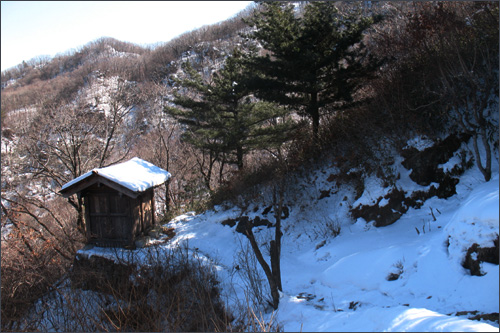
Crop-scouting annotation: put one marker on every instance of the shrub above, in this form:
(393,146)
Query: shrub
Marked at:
(26,276)
(155,289)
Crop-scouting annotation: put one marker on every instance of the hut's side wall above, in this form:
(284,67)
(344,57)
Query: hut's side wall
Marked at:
(147,210)
(143,213)
(136,216)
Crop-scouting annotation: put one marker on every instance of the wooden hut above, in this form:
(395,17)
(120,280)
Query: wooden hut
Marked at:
(118,201)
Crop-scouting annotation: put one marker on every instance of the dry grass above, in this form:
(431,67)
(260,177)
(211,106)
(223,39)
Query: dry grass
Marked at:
(163,291)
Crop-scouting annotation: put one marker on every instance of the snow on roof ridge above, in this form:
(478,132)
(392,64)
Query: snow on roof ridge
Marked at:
(135,174)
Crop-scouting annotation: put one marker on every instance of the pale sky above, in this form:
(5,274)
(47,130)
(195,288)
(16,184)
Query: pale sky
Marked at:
(40,28)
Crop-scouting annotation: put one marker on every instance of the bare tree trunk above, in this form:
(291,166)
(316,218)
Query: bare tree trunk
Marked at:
(80,222)
(273,273)
(221,168)
(314,113)
(239,157)
(270,276)
(276,243)
(167,166)
(486,169)
(167,196)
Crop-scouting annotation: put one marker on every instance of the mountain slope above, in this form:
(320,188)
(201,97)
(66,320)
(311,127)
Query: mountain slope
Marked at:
(341,274)
(367,278)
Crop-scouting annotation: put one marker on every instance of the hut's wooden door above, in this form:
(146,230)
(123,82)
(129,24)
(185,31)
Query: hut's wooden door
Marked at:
(109,216)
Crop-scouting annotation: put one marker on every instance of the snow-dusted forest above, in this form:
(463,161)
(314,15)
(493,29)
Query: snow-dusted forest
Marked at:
(334,167)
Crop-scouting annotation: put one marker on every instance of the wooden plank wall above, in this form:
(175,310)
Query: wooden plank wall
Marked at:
(114,217)
(109,214)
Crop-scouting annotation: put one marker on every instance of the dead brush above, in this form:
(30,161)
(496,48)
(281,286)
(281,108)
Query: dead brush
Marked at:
(251,276)
(27,274)
(167,290)
(260,324)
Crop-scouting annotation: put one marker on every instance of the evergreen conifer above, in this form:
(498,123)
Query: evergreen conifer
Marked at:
(317,57)
(222,115)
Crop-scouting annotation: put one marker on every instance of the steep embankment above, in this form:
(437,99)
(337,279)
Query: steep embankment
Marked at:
(434,269)
(341,274)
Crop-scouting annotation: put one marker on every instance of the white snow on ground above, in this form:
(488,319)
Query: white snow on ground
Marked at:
(420,143)
(476,221)
(341,283)
(345,277)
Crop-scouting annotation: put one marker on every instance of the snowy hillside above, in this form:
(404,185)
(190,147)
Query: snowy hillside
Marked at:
(378,152)
(391,278)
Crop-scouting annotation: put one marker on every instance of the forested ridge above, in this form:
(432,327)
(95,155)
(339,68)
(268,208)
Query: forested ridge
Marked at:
(242,105)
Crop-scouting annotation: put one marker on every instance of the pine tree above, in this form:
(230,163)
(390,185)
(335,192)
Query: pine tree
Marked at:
(317,58)
(223,117)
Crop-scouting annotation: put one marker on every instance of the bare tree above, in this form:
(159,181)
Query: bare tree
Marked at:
(65,141)
(470,84)
(273,272)
(462,39)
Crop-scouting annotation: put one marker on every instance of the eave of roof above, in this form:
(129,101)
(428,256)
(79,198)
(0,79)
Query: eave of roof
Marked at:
(132,178)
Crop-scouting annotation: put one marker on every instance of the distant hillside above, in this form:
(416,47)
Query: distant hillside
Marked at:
(63,75)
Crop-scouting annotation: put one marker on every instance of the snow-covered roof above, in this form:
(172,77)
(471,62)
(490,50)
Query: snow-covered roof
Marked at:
(136,175)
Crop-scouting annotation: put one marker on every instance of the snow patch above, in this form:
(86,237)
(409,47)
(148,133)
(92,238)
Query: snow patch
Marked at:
(476,221)
(420,143)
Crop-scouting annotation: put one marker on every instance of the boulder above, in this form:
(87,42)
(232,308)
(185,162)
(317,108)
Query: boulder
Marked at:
(386,214)
(476,254)
(425,164)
